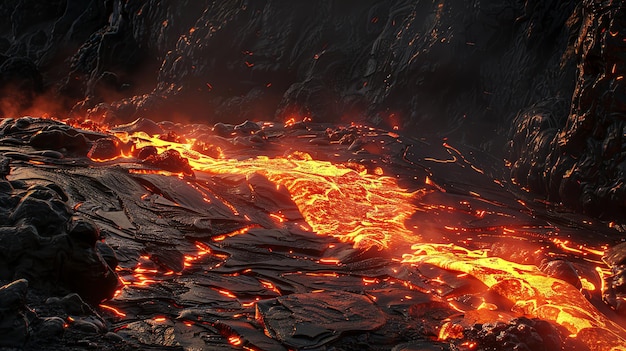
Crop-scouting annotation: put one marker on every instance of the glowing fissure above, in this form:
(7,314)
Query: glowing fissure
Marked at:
(369,210)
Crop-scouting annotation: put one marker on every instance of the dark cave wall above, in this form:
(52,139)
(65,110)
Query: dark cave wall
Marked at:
(467,70)
(426,66)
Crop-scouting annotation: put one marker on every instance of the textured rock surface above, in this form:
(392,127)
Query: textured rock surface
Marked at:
(13,325)
(315,318)
(426,66)
(519,334)
(585,167)
(464,70)
(40,239)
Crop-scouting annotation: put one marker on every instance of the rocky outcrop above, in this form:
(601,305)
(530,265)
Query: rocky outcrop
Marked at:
(580,159)
(450,67)
(41,237)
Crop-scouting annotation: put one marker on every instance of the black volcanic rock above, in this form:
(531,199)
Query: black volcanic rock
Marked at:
(314,319)
(615,284)
(84,231)
(55,139)
(455,68)
(13,322)
(140,125)
(5,169)
(563,270)
(519,334)
(105,148)
(170,160)
(39,239)
(578,159)
(428,67)
(51,212)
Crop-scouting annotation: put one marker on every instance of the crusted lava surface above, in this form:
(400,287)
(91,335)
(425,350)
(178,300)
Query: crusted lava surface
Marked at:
(119,240)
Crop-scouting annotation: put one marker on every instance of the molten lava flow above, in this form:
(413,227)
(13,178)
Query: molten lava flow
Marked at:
(370,210)
(364,209)
(534,293)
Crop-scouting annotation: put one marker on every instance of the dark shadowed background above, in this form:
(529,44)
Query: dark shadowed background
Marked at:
(538,82)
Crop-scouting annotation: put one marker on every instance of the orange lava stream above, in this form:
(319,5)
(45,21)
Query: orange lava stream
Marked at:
(365,209)
(369,210)
(534,293)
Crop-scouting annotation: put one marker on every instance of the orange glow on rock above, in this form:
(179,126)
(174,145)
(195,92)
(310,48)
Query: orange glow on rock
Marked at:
(227,293)
(290,122)
(279,217)
(368,281)
(150,171)
(234,233)
(450,330)
(577,249)
(270,286)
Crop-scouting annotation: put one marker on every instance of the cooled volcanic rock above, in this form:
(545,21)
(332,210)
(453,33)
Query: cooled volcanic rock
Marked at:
(562,270)
(311,320)
(616,283)
(69,141)
(519,334)
(52,212)
(578,159)
(140,125)
(13,322)
(105,148)
(421,346)
(428,66)
(36,243)
(170,160)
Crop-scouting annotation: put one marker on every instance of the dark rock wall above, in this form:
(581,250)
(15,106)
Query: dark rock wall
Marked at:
(581,160)
(425,66)
(464,69)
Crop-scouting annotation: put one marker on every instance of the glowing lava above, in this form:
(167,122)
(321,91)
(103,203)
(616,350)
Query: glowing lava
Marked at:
(534,293)
(369,210)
